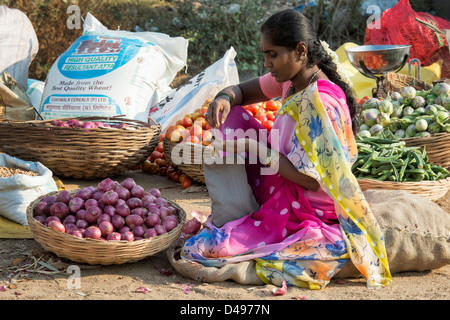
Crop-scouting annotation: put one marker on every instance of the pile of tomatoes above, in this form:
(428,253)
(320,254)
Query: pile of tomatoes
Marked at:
(158,164)
(193,128)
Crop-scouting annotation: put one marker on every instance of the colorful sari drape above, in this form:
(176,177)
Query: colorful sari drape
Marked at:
(299,236)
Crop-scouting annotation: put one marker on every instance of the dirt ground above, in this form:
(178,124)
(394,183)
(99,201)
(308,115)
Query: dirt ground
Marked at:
(125,282)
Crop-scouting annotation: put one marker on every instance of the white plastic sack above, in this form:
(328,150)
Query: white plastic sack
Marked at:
(18,44)
(106,72)
(35,90)
(191,95)
(18,191)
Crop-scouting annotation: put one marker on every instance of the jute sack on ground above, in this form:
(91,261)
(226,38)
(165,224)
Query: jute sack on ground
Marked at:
(416,232)
(14,102)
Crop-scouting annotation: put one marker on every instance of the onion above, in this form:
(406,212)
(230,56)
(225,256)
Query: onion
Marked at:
(82,224)
(172,210)
(110,197)
(192,226)
(97,195)
(164,212)
(127,235)
(153,209)
(51,218)
(47,208)
(101,204)
(160,229)
(110,210)
(57,226)
(59,209)
(103,217)
(49,199)
(123,210)
(161,202)
(150,233)
(134,220)
(93,232)
(84,193)
(123,193)
(138,231)
(137,191)
(39,208)
(124,229)
(128,183)
(134,203)
(41,219)
(64,196)
(147,199)
(152,220)
(106,185)
(70,227)
(92,214)
(106,228)
(140,211)
(76,204)
(155,192)
(76,233)
(114,236)
(90,203)
(81,214)
(169,223)
(70,219)
(117,221)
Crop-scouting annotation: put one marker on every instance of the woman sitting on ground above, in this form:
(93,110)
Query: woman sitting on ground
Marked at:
(313,216)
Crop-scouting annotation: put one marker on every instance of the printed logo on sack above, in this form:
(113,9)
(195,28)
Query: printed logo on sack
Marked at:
(96,55)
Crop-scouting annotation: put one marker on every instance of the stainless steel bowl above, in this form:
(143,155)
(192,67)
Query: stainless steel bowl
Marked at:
(376,60)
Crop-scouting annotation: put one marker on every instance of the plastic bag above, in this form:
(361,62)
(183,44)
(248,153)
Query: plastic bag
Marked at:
(424,32)
(191,95)
(106,73)
(18,191)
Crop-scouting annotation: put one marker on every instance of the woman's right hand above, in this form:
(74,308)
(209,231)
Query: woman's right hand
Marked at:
(218,111)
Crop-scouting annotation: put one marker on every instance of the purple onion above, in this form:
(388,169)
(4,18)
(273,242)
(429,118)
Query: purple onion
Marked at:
(64,196)
(117,221)
(92,214)
(128,183)
(110,197)
(123,210)
(76,204)
(81,214)
(59,209)
(155,192)
(82,224)
(152,220)
(137,192)
(70,219)
(103,217)
(134,203)
(90,203)
(150,233)
(109,210)
(39,208)
(138,231)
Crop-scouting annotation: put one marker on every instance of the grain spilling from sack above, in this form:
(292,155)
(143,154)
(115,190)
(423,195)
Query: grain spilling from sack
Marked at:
(6,172)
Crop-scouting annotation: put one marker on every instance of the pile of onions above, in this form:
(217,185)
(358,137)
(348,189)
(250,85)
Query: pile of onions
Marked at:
(111,211)
(74,123)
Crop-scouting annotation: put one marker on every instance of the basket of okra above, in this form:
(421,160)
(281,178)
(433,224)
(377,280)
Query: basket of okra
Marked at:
(390,164)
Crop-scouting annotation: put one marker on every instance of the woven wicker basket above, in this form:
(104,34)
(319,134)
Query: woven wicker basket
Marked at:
(395,82)
(101,252)
(432,190)
(191,165)
(437,147)
(81,153)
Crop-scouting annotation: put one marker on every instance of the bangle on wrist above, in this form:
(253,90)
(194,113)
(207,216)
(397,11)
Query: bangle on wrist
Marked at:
(223,93)
(273,157)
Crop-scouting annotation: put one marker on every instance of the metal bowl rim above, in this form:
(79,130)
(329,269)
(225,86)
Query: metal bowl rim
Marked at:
(360,49)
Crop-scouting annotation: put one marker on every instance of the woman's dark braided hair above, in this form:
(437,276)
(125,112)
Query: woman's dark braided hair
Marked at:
(289,27)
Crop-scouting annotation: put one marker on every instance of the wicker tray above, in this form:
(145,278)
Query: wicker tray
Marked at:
(437,147)
(432,190)
(101,252)
(395,82)
(81,153)
(191,165)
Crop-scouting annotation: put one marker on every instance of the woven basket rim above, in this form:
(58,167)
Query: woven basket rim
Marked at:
(440,183)
(433,136)
(163,241)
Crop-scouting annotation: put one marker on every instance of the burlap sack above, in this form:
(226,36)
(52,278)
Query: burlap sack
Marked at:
(416,232)
(14,102)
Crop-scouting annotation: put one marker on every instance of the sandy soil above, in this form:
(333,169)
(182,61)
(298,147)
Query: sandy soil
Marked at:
(122,282)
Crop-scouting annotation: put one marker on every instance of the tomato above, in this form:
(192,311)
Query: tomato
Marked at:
(162,171)
(195,115)
(161,137)
(253,108)
(196,130)
(203,110)
(160,147)
(207,135)
(201,122)
(169,172)
(193,139)
(270,115)
(273,105)
(261,118)
(176,176)
(182,177)
(153,168)
(155,155)
(146,166)
(186,122)
(268,124)
(161,162)
(176,136)
(186,183)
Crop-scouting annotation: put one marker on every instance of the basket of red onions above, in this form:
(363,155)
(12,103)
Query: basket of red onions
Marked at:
(84,147)
(112,223)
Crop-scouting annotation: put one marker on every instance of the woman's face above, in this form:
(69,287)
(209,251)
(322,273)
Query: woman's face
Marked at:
(284,64)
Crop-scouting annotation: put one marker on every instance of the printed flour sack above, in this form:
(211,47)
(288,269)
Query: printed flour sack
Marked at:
(107,73)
